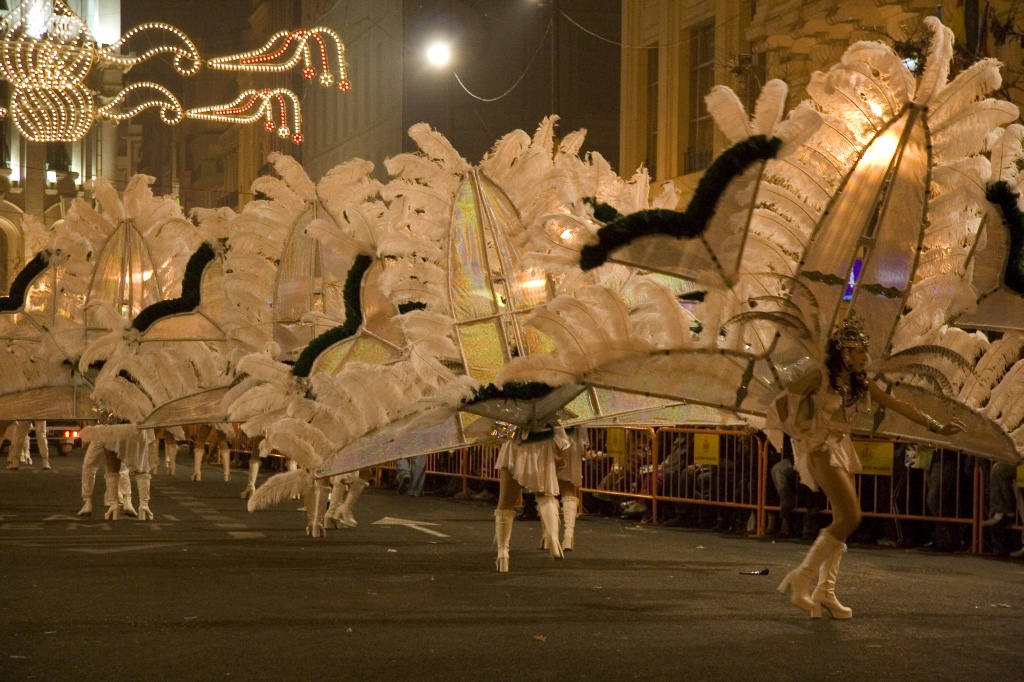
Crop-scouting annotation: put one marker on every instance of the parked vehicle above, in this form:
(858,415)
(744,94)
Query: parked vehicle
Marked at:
(63,436)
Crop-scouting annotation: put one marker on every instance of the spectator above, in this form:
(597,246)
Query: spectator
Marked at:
(412,472)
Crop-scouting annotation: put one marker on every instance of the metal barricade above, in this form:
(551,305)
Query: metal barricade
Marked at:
(717,468)
(731,471)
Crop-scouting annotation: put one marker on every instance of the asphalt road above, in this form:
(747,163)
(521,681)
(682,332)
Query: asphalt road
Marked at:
(211,592)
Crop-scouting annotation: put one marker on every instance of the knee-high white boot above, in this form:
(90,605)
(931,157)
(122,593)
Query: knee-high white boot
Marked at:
(197,462)
(570,508)
(143,481)
(44,447)
(547,509)
(88,485)
(90,465)
(355,489)
(113,512)
(798,581)
(314,503)
(124,492)
(224,451)
(332,519)
(503,519)
(26,451)
(825,593)
(170,456)
(254,471)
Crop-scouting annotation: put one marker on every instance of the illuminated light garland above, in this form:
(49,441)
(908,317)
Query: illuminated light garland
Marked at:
(259,60)
(255,105)
(47,51)
(185,52)
(171,111)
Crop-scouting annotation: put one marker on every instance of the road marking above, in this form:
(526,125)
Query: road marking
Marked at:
(250,535)
(415,525)
(230,525)
(130,548)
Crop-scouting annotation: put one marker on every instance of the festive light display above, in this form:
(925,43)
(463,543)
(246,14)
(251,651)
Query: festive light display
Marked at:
(253,105)
(47,52)
(285,49)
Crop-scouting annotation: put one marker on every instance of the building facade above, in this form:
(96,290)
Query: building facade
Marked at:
(674,51)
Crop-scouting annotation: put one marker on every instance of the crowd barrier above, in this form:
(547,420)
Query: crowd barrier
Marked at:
(724,471)
(730,471)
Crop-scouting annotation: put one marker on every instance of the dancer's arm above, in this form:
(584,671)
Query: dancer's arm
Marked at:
(953,426)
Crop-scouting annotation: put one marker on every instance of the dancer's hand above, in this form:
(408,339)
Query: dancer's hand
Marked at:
(953,427)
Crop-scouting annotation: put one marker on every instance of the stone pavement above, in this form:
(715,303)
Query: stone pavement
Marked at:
(209,591)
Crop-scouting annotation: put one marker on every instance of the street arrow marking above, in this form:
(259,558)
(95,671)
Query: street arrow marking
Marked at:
(130,548)
(416,525)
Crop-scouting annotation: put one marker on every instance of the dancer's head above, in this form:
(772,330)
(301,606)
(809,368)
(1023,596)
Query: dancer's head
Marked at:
(847,354)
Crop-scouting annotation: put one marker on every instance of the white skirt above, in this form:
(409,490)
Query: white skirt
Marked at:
(538,466)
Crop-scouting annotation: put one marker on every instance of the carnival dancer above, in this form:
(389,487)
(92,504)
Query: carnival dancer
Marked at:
(549,463)
(816,411)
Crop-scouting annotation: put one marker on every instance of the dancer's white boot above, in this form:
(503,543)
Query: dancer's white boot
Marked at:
(44,447)
(825,593)
(355,489)
(113,512)
(570,509)
(254,471)
(124,492)
(332,519)
(170,456)
(26,451)
(197,462)
(314,503)
(224,452)
(503,519)
(547,510)
(143,481)
(798,581)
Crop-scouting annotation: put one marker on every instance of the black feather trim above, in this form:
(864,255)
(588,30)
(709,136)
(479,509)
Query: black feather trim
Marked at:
(353,319)
(682,224)
(604,213)
(1000,194)
(191,286)
(538,436)
(404,308)
(513,390)
(20,285)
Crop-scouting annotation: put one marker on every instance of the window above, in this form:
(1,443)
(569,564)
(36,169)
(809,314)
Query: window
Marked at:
(700,140)
(652,111)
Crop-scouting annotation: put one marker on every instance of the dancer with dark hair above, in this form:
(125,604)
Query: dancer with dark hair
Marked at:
(816,411)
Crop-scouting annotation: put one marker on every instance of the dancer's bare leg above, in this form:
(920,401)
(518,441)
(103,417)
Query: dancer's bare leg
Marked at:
(838,486)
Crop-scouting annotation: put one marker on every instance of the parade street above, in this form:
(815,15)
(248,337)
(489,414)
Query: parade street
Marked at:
(210,591)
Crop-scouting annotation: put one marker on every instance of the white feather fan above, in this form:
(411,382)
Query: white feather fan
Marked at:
(280,488)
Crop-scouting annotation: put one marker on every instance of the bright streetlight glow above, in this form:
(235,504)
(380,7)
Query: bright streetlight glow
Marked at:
(439,54)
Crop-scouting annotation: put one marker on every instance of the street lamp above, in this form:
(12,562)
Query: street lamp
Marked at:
(439,54)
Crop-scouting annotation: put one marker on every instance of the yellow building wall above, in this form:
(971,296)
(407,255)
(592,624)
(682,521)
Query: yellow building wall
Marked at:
(757,40)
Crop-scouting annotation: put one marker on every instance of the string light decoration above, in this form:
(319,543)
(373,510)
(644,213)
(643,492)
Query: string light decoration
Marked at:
(171,111)
(186,56)
(47,52)
(286,49)
(253,105)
